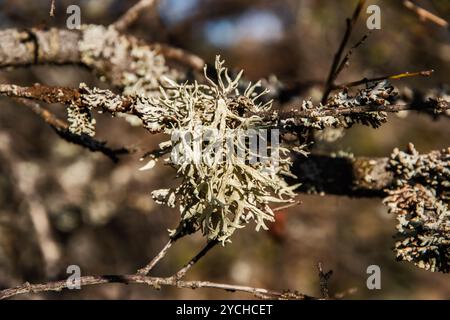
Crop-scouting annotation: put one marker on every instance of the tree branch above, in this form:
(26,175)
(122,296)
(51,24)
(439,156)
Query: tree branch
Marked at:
(155,282)
(83,140)
(182,272)
(132,14)
(396,76)
(350,23)
(425,15)
(145,270)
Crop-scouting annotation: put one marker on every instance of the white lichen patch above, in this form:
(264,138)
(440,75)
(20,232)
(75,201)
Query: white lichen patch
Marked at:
(129,64)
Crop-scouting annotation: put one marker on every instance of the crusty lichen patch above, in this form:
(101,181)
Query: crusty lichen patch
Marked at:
(421,200)
(125,61)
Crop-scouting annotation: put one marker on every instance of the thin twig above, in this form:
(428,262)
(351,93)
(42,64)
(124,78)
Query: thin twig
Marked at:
(132,14)
(350,23)
(345,61)
(52,8)
(155,282)
(324,278)
(425,15)
(287,206)
(182,272)
(62,129)
(145,270)
(396,76)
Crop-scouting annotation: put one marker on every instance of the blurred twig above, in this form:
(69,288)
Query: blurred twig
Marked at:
(52,8)
(425,15)
(132,14)
(324,278)
(396,76)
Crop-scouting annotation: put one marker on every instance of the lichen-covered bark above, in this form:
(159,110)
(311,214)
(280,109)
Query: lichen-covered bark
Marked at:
(354,177)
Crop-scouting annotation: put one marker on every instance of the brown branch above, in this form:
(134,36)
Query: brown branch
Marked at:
(155,282)
(145,270)
(182,272)
(125,103)
(344,176)
(132,14)
(425,15)
(83,140)
(431,105)
(324,278)
(34,46)
(396,76)
(350,23)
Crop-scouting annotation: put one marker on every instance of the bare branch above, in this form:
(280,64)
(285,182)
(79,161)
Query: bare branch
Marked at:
(155,282)
(52,8)
(182,272)
(350,23)
(83,140)
(425,15)
(324,278)
(132,14)
(396,76)
(145,270)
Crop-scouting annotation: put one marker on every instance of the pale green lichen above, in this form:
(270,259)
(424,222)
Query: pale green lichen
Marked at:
(218,197)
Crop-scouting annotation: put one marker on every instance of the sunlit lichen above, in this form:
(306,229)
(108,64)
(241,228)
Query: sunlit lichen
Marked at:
(421,202)
(214,196)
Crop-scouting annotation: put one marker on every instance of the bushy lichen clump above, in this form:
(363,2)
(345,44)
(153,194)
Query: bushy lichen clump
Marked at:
(421,202)
(218,196)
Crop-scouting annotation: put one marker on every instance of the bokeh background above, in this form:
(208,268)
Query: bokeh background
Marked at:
(61,205)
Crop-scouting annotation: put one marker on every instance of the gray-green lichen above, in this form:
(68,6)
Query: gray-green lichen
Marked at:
(129,64)
(80,120)
(214,196)
(421,200)
(319,117)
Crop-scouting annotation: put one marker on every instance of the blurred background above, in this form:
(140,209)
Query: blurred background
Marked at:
(62,205)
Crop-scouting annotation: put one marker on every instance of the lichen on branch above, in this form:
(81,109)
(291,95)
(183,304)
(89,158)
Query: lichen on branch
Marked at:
(421,201)
(220,192)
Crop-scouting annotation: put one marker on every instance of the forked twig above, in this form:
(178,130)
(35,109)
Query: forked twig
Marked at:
(350,23)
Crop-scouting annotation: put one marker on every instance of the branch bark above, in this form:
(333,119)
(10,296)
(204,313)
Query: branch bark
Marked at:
(155,282)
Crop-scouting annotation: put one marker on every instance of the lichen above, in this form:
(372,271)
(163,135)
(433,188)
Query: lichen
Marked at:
(420,199)
(376,93)
(80,120)
(214,196)
(133,66)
